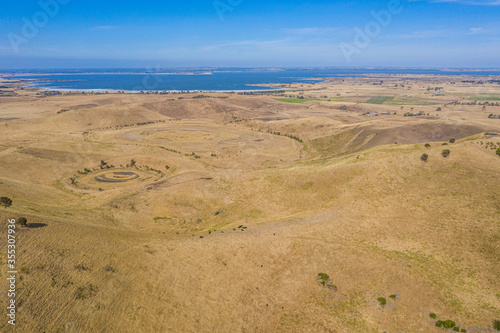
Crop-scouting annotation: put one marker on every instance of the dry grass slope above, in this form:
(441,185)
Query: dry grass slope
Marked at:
(232,235)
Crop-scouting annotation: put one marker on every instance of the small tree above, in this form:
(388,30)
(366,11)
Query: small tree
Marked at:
(6,202)
(132,163)
(445,153)
(452,140)
(424,157)
(496,325)
(498,151)
(382,301)
(22,221)
(427,145)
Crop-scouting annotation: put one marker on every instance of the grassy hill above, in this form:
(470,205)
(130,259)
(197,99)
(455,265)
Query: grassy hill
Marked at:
(233,237)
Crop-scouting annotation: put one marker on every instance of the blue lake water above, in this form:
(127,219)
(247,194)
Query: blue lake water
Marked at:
(219,80)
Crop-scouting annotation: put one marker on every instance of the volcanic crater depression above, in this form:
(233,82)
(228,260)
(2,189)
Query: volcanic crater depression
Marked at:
(115,178)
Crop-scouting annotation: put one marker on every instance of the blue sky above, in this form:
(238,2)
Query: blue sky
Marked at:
(244,33)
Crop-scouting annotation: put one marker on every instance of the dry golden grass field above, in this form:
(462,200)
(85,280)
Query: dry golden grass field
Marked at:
(168,213)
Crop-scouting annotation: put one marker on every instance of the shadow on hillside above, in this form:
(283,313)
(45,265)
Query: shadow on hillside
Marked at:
(36,225)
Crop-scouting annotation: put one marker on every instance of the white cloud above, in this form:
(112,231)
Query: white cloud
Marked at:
(475,31)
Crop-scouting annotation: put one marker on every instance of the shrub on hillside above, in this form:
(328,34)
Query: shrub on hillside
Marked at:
(6,202)
(445,153)
(452,140)
(427,145)
(23,222)
(445,324)
(496,325)
(382,301)
(424,157)
(324,280)
(323,276)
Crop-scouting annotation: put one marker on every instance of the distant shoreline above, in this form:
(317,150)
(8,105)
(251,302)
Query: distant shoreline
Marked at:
(145,92)
(216,81)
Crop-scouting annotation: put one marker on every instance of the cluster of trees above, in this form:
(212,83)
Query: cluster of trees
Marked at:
(105,165)
(206,96)
(7,202)
(85,171)
(409,114)
(287,135)
(49,93)
(264,93)
(138,124)
(193,155)
(171,150)
(445,153)
(476,103)
(435,88)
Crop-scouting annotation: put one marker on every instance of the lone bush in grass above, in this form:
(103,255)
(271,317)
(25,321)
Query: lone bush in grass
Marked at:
(424,157)
(445,153)
(324,280)
(452,140)
(445,324)
(498,151)
(382,301)
(6,202)
(427,145)
(323,276)
(432,315)
(23,222)
(496,325)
